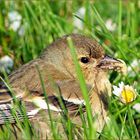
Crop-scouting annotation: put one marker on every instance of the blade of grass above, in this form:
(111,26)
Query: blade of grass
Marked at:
(83,89)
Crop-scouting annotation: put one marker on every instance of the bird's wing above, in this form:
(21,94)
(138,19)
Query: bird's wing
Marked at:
(62,95)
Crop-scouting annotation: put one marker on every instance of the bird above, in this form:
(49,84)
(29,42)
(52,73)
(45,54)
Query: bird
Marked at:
(56,67)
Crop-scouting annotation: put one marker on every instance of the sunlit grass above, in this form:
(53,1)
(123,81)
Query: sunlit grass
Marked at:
(44,21)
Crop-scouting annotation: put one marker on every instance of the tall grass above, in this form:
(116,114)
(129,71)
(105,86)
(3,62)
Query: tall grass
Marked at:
(44,21)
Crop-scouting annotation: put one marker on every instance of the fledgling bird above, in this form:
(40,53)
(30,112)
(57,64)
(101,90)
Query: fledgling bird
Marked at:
(56,63)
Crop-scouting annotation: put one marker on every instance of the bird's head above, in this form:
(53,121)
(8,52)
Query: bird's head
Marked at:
(92,58)
(90,54)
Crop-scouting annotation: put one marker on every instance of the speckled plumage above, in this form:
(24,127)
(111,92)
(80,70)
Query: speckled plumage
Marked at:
(56,63)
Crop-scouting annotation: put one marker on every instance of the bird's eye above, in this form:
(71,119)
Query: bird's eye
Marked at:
(84,59)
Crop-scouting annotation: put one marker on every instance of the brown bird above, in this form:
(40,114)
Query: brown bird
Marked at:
(57,69)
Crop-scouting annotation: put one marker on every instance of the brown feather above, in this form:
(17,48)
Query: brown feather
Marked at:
(59,76)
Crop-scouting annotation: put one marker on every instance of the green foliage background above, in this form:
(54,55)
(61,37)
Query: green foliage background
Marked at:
(46,20)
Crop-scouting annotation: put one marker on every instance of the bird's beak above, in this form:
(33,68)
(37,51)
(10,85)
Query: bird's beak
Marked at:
(109,63)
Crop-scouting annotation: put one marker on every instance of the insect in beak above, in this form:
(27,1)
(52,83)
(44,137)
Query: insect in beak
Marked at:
(109,63)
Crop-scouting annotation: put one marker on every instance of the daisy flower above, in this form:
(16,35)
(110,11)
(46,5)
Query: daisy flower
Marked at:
(110,25)
(15,20)
(125,93)
(136,66)
(76,21)
(6,63)
(137,107)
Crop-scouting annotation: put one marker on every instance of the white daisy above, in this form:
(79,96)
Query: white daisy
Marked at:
(137,107)
(135,65)
(110,25)
(125,93)
(6,63)
(76,21)
(14,20)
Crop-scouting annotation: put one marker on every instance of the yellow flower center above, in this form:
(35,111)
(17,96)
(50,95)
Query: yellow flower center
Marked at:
(128,95)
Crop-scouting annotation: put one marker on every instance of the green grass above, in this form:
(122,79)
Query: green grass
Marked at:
(44,21)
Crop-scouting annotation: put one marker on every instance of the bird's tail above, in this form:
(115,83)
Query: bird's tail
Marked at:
(5,94)
(9,113)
